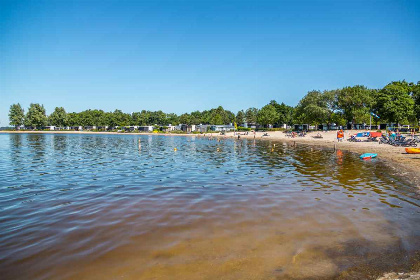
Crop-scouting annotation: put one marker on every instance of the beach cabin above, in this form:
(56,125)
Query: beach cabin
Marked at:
(50,127)
(130,128)
(170,127)
(90,127)
(202,128)
(147,128)
(222,127)
(301,127)
(188,128)
(102,128)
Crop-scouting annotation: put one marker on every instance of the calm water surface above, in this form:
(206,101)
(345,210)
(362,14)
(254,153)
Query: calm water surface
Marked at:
(98,207)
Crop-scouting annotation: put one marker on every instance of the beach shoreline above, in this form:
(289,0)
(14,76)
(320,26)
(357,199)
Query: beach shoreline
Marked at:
(396,156)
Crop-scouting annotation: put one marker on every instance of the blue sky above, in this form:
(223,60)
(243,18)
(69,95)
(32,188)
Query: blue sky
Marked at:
(180,56)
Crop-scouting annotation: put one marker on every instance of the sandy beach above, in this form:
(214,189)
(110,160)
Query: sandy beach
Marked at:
(396,156)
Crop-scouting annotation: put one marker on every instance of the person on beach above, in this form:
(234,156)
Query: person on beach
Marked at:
(340,135)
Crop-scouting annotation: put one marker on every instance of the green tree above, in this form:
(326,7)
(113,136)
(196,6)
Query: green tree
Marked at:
(219,116)
(251,115)
(172,119)
(314,108)
(196,117)
(58,117)
(355,102)
(36,117)
(416,97)
(240,117)
(267,115)
(120,118)
(284,111)
(394,102)
(16,115)
(185,119)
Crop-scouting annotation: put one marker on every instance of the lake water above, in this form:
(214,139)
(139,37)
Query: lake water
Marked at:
(98,207)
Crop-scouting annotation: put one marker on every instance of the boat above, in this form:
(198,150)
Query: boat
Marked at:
(412,150)
(368,156)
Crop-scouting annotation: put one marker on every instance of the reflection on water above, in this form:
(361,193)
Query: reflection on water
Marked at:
(100,207)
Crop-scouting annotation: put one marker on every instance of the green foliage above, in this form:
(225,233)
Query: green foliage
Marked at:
(267,115)
(16,115)
(241,128)
(36,117)
(314,108)
(394,102)
(185,119)
(355,102)
(285,113)
(415,92)
(240,117)
(58,117)
(251,115)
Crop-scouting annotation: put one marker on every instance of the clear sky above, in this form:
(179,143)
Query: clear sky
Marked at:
(180,56)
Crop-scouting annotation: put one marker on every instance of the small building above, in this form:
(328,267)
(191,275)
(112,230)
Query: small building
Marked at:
(90,127)
(168,128)
(103,128)
(147,128)
(301,127)
(50,127)
(130,128)
(188,128)
(229,127)
(202,128)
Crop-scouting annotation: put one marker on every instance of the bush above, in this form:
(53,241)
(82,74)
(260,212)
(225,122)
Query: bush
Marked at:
(177,132)
(241,128)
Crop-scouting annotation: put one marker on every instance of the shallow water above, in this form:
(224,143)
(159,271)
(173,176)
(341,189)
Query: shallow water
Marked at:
(98,207)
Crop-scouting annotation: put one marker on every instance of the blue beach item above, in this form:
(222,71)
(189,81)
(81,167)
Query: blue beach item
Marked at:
(368,156)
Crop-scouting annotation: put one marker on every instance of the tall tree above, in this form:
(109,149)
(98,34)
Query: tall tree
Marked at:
(284,111)
(16,115)
(185,119)
(240,117)
(172,119)
(196,117)
(416,97)
(267,115)
(313,108)
(355,102)
(36,117)
(251,115)
(394,102)
(58,117)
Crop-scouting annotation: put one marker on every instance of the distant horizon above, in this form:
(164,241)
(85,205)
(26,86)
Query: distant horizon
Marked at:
(182,56)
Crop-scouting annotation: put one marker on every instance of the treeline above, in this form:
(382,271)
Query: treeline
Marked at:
(397,102)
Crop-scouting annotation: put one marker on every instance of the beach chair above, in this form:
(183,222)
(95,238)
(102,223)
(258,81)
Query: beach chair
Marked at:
(384,140)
